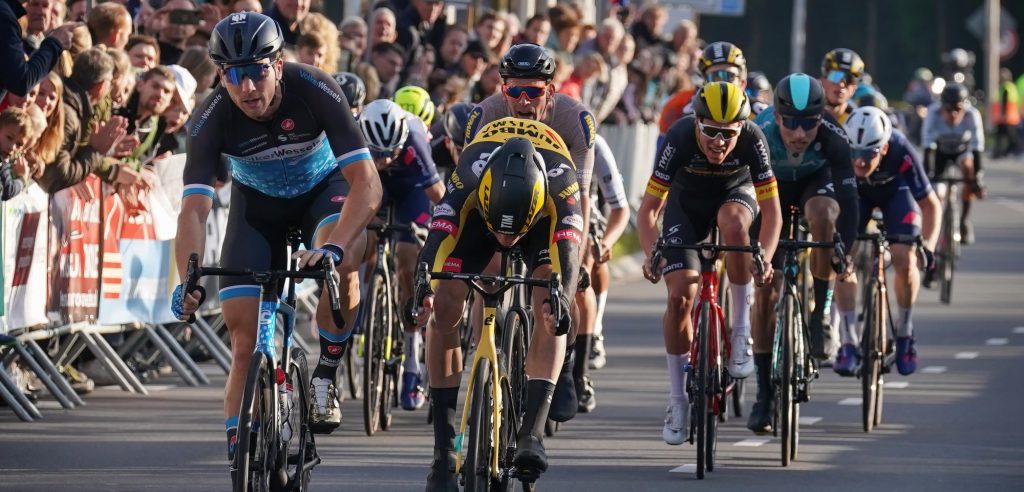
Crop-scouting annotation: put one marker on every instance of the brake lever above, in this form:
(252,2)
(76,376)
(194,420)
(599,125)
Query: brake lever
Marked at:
(331,284)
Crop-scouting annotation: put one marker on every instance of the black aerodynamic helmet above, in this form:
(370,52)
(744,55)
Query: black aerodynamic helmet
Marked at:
(245,38)
(353,88)
(512,188)
(527,61)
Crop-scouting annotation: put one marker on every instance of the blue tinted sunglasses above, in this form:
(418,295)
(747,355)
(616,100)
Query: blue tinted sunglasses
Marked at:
(254,71)
(866,154)
(722,76)
(517,91)
(806,123)
(837,76)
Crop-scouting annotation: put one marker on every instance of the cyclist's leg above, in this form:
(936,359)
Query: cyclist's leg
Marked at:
(968,193)
(410,207)
(821,210)
(254,245)
(903,218)
(849,355)
(599,278)
(586,301)
(734,219)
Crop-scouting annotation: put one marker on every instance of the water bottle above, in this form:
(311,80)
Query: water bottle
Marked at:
(285,395)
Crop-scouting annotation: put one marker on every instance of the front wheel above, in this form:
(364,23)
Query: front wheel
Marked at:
(254,456)
(702,390)
(872,349)
(374,328)
(477,469)
(299,448)
(785,393)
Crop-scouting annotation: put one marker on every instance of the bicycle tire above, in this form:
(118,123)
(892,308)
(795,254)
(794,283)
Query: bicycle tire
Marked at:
(701,388)
(884,320)
(353,372)
(298,378)
(373,364)
(476,470)
(871,365)
(253,459)
(513,346)
(785,400)
(716,409)
(392,376)
(724,298)
(510,423)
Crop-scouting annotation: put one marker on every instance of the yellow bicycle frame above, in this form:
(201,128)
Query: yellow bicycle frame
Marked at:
(485,350)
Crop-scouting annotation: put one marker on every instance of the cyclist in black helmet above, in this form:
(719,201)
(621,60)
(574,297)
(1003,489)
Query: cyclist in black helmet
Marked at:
(296,156)
(354,90)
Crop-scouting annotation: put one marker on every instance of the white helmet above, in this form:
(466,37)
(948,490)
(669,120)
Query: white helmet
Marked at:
(868,128)
(383,125)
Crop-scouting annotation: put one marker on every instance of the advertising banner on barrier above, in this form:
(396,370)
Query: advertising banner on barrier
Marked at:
(26,223)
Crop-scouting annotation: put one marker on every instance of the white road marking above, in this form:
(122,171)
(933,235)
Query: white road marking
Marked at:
(997,341)
(160,387)
(896,384)
(809,420)
(966,355)
(49,405)
(1018,330)
(753,442)
(851,401)
(691,468)
(934,370)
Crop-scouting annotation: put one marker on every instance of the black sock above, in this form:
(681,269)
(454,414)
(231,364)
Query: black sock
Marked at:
(763,362)
(332,347)
(442,403)
(582,349)
(823,296)
(538,402)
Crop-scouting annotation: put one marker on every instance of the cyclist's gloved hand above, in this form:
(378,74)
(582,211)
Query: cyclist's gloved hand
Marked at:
(929,259)
(184,307)
(564,321)
(584,281)
(310,259)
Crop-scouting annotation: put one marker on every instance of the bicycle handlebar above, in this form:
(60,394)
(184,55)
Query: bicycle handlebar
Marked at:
(707,248)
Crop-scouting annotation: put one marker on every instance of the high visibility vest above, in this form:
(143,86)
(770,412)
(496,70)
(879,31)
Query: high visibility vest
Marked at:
(1006,107)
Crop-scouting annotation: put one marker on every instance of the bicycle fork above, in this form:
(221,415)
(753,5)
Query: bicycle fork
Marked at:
(485,350)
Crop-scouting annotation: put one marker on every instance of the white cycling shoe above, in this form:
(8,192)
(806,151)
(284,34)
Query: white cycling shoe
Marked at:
(326,412)
(675,431)
(741,360)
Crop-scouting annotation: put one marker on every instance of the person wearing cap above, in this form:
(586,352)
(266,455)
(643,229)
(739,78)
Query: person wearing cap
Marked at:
(841,70)
(178,111)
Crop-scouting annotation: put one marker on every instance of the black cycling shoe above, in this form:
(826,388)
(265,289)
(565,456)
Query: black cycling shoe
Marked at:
(531,460)
(760,420)
(588,399)
(564,402)
(822,345)
(442,472)
(928,278)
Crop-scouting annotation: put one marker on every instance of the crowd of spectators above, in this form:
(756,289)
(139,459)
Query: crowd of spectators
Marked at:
(108,90)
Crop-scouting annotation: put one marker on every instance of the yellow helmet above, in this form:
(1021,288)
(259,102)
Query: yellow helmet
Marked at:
(513,187)
(416,100)
(721,102)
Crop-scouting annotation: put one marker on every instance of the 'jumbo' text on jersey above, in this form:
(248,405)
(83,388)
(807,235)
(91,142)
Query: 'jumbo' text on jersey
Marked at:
(681,163)
(312,134)
(567,117)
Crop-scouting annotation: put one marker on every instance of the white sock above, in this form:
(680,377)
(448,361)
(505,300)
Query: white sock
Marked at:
(413,344)
(742,297)
(905,327)
(848,327)
(677,376)
(602,298)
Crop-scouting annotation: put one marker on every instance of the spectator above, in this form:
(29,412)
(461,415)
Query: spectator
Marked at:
(311,49)
(144,112)
(387,59)
(15,134)
(647,31)
(607,41)
(1006,116)
(538,30)
(174,35)
(110,25)
(51,101)
(246,6)
(423,64)
(16,74)
(16,101)
(567,28)
(607,44)
(38,21)
(474,61)
(684,39)
(143,51)
(455,42)
(489,30)
(417,25)
(618,79)
(289,14)
(487,85)
(86,141)
(383,27)
(182,102)
(197,61)
(124,79)
(319,24)
(77,11)
(352,41)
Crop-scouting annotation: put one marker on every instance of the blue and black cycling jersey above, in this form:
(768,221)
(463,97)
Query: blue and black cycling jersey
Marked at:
(312,135)
(829,146)
(901,166)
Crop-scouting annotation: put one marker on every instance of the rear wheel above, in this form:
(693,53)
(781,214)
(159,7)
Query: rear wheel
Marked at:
(392,364)
(476,471)
(353,371)
(871,348)
(299,449)
(702,389)
(950,226)
(254,458)
(374,326)
(784,396)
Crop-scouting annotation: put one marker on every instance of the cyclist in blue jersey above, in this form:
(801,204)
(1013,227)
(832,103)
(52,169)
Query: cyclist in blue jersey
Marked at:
(890,177)
(811,161)
(296,156)
(401,151)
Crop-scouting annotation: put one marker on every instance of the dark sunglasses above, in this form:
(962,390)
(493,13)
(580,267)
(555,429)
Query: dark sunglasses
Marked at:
(254,71)
(722,76)
(953,109)
(384,154)
(794,122)
(837,76)
(714,132)
(866,154)
(517,91)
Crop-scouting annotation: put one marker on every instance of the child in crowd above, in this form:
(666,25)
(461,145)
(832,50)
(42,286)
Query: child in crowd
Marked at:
(16,134)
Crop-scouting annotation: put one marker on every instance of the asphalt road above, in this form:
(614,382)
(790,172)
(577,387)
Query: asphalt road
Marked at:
(955,425)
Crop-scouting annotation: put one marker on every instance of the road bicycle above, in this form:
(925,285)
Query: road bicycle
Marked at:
(276,449)
(709,383)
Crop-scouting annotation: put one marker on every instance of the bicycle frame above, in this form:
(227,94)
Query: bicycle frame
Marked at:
(709,295)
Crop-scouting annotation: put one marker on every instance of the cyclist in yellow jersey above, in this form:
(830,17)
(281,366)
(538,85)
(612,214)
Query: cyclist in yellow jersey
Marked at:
(841,70)
(536,206)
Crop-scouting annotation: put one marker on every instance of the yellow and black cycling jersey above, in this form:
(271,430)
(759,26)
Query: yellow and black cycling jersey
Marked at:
(459,240)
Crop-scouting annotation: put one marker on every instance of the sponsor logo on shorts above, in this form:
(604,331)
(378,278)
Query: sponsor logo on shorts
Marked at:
(444,225)
(574,220)
(568,234)
(287,124)
(673,267)
(453,265)
(456,180)
(570,190)
(338,199)
(443,209)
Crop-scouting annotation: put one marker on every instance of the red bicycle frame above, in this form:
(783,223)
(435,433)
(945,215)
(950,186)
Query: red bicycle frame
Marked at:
(708,290)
